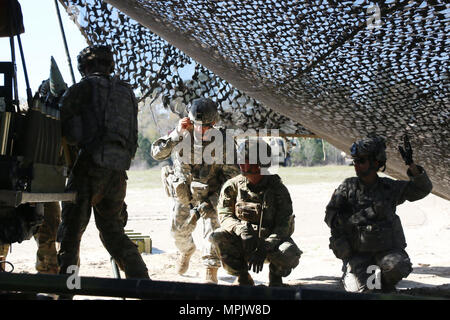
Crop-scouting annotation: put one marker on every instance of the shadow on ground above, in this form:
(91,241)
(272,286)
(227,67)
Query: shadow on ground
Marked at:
(438,271)
(414,288)
(442,291)
(318,282)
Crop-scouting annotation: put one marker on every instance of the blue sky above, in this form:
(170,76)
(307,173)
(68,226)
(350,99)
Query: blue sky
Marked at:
(41,40)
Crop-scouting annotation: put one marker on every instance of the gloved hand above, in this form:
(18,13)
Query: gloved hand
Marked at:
(257,258)
(407,152)
(249,238)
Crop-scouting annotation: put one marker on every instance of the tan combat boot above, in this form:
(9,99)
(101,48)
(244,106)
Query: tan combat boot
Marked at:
(183,262)
(244,279)
(211,275)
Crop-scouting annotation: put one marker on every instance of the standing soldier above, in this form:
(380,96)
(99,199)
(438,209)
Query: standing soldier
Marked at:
(365,231)
(257,222)
(194,185)
(49,93)
(99,117)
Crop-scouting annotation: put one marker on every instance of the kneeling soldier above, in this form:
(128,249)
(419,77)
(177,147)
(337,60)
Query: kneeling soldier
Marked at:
(365,231)
(255,213)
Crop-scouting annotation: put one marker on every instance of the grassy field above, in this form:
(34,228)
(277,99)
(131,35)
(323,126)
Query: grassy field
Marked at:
(151,178)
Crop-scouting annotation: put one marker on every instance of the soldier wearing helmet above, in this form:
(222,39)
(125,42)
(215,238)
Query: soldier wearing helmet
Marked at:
(99,118)
(194,186)
(365,230)
(257,221)
(96,58)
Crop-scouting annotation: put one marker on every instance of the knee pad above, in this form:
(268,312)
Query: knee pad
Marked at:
(394,268)
(219,235)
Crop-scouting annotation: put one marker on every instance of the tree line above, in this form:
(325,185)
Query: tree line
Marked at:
(155,121)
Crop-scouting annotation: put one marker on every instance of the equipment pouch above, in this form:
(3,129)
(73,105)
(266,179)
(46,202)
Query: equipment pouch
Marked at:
(399,235)
(199,191)
(167,179)
(341,248)
(374,238)
(248,211)
(181,190)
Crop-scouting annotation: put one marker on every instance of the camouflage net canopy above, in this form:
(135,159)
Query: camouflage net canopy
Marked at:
(341,69)
(155,68)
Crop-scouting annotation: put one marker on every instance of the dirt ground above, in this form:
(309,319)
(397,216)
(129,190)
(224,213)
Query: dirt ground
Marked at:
(426,224)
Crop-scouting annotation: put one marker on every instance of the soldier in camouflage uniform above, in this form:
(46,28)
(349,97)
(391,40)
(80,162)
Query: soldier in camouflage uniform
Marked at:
(194,184)
(49,92)
(257,222)
(46,259)
(99,116)
(365,231)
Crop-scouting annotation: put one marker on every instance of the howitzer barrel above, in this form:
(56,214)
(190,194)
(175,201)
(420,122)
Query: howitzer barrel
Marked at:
(167,290)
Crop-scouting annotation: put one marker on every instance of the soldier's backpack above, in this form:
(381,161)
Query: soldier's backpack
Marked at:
(114,108)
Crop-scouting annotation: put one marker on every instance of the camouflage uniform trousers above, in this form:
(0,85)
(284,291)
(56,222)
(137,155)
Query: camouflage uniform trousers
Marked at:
(182,234)
(235,261)
(46,261)
(103,190)
(394,265)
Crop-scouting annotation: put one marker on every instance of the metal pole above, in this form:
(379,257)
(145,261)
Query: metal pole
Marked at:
(65,41)
(29,95)
(157,290)
(13,60)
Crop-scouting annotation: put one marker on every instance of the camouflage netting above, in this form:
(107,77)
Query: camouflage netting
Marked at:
(340,68)
(154,68)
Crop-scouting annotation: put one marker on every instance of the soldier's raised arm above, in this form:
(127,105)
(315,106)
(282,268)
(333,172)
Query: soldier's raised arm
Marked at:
(162,148)
(419,185)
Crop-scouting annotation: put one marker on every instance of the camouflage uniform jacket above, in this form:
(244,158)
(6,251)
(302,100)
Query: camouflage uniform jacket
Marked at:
(277,223)
(185,172)
(356,205)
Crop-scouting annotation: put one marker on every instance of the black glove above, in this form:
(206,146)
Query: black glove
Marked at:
(257,258)
(249,239)
(407,151)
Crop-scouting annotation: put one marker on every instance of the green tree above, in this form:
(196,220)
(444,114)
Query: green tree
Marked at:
(143,152)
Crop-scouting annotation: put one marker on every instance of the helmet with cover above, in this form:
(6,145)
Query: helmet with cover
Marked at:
(373,147)
(203,111)
(96,58)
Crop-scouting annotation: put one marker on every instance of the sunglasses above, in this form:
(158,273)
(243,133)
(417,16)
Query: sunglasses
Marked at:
(360,160)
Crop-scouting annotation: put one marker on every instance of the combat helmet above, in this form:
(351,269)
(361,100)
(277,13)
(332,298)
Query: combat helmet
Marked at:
(98,56)
(255,151)
(372,146)
(203,111)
